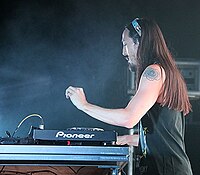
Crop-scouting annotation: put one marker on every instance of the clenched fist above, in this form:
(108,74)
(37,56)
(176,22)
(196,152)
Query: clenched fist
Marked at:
(77,96)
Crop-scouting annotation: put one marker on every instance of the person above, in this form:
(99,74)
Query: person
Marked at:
(161,101)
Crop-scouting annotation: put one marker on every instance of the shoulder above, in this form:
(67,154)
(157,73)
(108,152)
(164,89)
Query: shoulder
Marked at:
(154,72)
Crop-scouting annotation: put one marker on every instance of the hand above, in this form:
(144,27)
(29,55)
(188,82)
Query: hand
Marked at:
(132,140)
(77,96)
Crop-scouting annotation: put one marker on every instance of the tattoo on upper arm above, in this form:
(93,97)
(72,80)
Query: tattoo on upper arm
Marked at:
(151,74)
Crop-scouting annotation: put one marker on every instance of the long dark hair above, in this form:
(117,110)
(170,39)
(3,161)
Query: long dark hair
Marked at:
(153,49)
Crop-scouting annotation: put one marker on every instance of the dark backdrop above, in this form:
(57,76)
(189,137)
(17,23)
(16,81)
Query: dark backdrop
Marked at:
(47,45)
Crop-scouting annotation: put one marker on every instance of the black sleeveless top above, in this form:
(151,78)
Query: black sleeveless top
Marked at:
(165,141)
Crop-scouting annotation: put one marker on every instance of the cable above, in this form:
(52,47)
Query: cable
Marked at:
(2,168)
(75,171)
(41,171)
(10,172)
(41,126)
(123,171)
(7,172)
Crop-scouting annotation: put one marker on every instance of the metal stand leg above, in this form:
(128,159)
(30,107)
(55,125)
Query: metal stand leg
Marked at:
(131,166)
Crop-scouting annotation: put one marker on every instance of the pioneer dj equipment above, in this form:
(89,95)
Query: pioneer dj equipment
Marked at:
(75,136)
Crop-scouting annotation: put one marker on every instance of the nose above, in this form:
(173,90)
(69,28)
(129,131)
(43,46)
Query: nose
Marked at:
(124,51)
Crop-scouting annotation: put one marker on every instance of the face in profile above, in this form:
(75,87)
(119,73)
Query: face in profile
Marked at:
(130,48)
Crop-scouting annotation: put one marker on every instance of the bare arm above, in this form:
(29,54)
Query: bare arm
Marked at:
(145,97)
